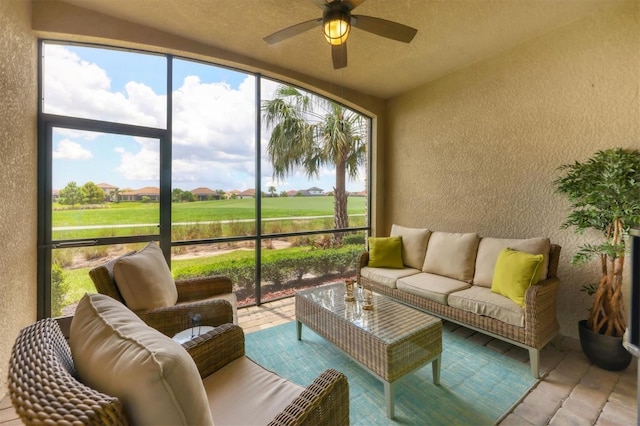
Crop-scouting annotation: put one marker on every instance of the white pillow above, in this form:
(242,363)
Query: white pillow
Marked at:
(144,279)
(414,244)
(154,377)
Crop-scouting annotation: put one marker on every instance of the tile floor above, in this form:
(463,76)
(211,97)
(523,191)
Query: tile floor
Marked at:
(573,392)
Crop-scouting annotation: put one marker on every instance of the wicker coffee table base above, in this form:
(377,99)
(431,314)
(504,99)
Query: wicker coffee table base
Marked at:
(390,341)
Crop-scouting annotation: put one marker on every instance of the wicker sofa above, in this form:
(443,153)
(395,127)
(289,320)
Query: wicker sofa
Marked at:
(127,372)
(449,275)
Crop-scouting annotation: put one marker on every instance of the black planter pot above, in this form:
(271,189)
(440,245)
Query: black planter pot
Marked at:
(604,351)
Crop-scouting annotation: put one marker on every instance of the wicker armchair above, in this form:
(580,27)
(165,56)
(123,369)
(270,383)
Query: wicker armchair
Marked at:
(210,297)
(44,388)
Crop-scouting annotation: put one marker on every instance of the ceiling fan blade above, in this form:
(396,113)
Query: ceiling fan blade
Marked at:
(384,28)
(339,55)
(292,31)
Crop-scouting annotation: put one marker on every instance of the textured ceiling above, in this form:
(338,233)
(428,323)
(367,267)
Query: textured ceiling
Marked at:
(451,34)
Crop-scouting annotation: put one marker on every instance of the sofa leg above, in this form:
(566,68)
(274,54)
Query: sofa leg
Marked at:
(534,360)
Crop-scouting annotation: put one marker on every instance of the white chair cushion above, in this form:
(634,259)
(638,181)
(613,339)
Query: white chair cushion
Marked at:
(386,276)
(481,301)
(144,279)
(431,286)
(490,248)
(451,255)
(414,244)
(116,353)
(242,380)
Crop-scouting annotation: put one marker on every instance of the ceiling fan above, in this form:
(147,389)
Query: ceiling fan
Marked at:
(337,21)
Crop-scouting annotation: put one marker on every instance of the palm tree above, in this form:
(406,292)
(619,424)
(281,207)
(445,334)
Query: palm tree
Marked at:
(311,132)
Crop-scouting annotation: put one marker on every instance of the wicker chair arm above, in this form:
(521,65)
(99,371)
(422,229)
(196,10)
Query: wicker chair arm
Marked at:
(213,350)
(202,287)
(363,260)
(324,402)
(540,312)
(173,319)
(43,387)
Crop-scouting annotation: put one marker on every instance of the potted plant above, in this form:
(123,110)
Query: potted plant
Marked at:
(604,192)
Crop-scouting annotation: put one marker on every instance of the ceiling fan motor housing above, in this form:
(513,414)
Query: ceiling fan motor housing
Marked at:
(337,25)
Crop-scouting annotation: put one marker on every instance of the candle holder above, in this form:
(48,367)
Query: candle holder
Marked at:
(348,295)
(367,305)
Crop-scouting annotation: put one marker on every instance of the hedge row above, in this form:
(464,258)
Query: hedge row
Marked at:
(279,266)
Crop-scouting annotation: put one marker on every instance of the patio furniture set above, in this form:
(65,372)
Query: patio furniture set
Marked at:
(119,344)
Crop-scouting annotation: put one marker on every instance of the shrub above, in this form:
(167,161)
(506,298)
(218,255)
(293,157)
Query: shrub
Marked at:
(58,290)
(357,238)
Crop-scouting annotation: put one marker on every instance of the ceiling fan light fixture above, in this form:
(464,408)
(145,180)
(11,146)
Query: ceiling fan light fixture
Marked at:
(337,26)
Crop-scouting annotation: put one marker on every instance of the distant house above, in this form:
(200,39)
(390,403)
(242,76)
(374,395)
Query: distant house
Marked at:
(247,193)
(315,191)
(231,194)
(311,192)
(203,194)
(55,193)
(292,193)
(108,190)
(151,192)
(358,194)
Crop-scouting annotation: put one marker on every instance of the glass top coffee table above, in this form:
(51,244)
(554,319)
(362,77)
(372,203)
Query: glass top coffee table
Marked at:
(389,341)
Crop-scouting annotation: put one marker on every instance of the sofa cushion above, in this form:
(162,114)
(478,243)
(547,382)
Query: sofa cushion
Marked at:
(386,277)
(385,252)
(489,249)
(431,286)
(481,301)
(242,380)
(414,244)
(116,353)
(144,279)
(515,272)
(451,255)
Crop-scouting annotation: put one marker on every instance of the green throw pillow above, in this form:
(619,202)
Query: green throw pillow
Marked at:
(385,252)
(515,272)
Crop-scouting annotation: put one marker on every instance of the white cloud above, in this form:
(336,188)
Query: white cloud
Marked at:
(213,125)
(79,88)
(69,150)
(143,165)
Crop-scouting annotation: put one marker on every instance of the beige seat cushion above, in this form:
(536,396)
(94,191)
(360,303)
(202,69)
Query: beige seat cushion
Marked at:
(431,286)
(116,353)
(386,276)
(451,255)
(242,380)
(414,244)
(481,301)
(490,248)
(144,279)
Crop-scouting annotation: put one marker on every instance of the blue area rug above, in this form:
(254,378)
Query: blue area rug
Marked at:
(477,385)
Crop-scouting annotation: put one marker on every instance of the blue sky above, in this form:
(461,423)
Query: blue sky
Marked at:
(213,119)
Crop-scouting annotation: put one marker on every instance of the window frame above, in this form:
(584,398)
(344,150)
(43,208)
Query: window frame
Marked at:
(47,122)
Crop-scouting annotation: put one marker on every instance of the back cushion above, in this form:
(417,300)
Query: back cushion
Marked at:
(451,255)
(414,244)
(144,279)
(153,376)
(490,248)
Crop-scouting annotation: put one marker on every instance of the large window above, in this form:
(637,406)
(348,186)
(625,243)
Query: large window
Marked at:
(138,147)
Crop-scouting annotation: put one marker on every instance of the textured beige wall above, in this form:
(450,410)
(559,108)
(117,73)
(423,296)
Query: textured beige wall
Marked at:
(478,149)
(18,226)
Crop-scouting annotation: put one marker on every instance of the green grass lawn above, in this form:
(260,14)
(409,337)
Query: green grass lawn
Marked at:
(200,211)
